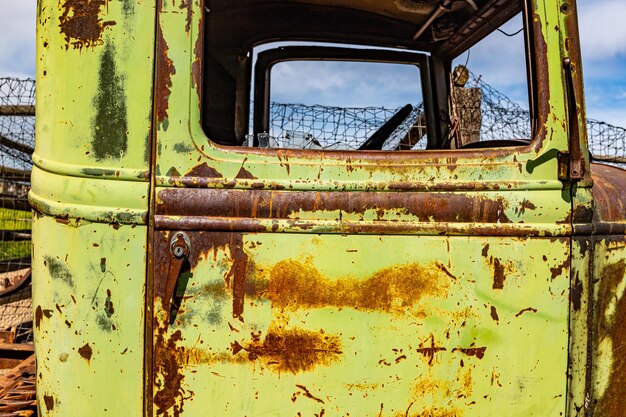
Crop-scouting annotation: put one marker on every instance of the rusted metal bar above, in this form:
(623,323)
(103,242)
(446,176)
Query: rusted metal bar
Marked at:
(14,174)
(14,264)
(14,235)
(9,143)
(14,203)
(17,110)
(17,389)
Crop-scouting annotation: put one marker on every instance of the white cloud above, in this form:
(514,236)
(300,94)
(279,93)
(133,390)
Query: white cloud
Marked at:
(17,38)
(602,28)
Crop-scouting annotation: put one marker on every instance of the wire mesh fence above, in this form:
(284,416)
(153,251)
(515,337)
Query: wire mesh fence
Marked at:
(483,113)
(17,138)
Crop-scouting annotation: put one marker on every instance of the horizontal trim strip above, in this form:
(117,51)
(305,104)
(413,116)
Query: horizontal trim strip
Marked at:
(82,171)
(412,207)
(322,185)
(191,223)
(85,212)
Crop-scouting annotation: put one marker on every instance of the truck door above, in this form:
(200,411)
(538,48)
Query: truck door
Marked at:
(316,282)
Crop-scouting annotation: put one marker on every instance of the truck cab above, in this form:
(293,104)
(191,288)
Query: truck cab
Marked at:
(217,257)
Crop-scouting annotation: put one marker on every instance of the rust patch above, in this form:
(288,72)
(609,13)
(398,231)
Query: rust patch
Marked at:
(529,309)
(611,404)
(524,205)
(186,4)
(165,70)
(498,275)
(168,367)
(244,174)
(440,207)
(472,351)
(294,350)
(294,285)
(81,23)
(204,171)
(577,293)
(49,401)
(86,352)
(485,251)
(196,66)
(558,270)
(108,305)
(494,313)
(430,351)
(40,314)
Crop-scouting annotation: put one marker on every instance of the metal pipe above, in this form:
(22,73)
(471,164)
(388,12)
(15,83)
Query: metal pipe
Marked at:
(444,5)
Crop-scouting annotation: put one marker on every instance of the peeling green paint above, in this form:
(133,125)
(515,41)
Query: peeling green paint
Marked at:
(110,134)
(59,271)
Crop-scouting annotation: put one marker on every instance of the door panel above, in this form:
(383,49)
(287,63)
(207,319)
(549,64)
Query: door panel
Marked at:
(269,324)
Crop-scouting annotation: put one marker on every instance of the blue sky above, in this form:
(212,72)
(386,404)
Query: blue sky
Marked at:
(603,36)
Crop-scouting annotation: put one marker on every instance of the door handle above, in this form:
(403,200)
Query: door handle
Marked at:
(180,246)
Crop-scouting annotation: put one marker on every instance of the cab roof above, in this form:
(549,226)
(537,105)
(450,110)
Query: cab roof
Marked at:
(241,24)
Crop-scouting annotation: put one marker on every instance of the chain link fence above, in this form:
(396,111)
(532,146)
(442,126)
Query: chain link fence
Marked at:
(17,140)
(483,114)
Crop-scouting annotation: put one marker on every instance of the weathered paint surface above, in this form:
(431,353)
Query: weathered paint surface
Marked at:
(363,325)
(366,305)
(93,127)
(94,88)
(88,295)
(423,284)
(609,329)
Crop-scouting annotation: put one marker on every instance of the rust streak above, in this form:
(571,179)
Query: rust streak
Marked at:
(478,352)
(498,274)
(165,70)
(429,352)
(529,309)
(308,394)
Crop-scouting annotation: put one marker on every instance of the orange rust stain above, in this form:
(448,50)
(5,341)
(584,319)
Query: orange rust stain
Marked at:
(81,23)
(295,350)
(294,285)
(429,412)
(281,350)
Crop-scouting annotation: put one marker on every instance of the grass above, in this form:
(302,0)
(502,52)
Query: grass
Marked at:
(14,220)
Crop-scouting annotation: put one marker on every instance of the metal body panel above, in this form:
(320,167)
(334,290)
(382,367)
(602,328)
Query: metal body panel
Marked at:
(274,324)
(609,329)
(95,62)
(88,296)
(95,65)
